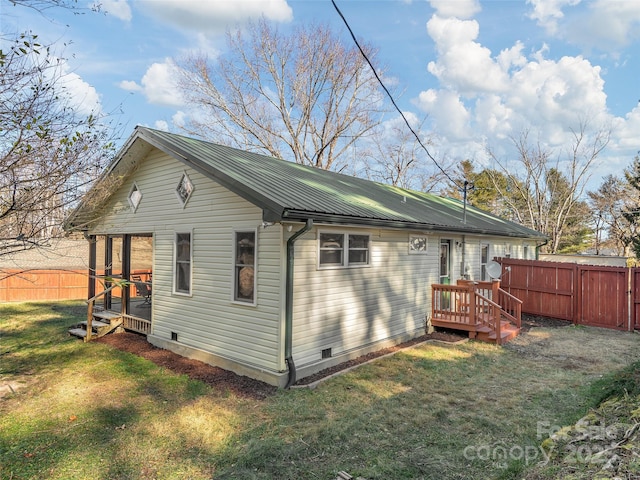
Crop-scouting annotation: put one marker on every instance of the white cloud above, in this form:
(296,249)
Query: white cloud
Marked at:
(159,84)
(548,12)
(83,97)
(462,63)
(446,109)
(214,16)
(130,86)
(605,25)
(625,131)
(118,8)
(495,116)
(482,98)
(460,8)
(558,93)
(179,119)
(161,125)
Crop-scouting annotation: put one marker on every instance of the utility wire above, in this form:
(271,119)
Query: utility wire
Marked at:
(364,55)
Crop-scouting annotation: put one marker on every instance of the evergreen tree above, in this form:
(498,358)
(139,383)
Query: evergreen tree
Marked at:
(632,214)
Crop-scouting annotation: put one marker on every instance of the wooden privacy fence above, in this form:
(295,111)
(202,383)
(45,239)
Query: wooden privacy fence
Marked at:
(40,285)
(34,285)
(592,295)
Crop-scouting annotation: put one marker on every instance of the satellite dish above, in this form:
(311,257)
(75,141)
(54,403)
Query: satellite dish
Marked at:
(494,269)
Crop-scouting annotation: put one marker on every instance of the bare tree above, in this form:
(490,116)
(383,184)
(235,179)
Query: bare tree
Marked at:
(544,187)
(48,152)
(395,157)
(305,96)
(609,203)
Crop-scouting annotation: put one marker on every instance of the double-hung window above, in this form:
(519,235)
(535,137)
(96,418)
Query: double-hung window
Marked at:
(244,289)
(183,260)
(344,249)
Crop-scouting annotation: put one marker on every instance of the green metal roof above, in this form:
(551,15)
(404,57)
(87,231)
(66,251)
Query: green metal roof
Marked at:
(288,191)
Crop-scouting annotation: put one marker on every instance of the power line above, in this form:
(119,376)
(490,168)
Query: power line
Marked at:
(364,55)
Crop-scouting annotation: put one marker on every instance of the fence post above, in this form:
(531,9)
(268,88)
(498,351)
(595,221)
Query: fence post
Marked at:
(630,300)
(577,294)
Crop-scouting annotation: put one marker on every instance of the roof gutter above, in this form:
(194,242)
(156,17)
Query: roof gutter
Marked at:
(288,312)
(297,215)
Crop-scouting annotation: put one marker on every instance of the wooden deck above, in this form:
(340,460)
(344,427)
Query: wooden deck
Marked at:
(482,309)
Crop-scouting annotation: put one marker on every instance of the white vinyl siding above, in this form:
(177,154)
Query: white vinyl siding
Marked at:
(208,320)
(344,309)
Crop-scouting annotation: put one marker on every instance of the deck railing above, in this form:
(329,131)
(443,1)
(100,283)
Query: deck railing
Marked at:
(511,306)
(136,324)
(91,304)
(469,304)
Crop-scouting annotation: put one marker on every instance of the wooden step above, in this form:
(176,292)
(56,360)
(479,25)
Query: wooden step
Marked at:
(106,315)
(96,324)
(507,332)
(78,332)
(103,322)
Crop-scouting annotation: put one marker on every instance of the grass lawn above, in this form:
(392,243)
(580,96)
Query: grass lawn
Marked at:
(474,411)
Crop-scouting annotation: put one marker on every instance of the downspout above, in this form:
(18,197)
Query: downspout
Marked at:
(540,246)
(288,308)
(463,273)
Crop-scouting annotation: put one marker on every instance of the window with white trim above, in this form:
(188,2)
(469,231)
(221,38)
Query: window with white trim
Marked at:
(184,189)
(183,260)
(244,255)
(344,249)
(418,244)
(484,260)
(135,195)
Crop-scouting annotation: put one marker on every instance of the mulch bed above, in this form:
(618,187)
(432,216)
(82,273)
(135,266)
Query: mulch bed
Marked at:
(219,378)
(249,388)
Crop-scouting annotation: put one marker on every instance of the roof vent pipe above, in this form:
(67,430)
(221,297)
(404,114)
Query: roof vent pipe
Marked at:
(288,309)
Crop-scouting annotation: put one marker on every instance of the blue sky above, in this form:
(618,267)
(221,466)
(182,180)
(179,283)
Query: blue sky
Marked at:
(479,71)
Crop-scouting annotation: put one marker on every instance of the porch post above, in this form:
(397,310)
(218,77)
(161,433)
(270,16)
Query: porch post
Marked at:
(92,266)
(472,303)
(126,271)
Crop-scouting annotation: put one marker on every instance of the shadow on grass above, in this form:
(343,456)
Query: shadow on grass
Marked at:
(429,412)
(37,341)
(410,417)
(48,451)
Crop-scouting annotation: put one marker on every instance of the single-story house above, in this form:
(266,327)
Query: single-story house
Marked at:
(272,269)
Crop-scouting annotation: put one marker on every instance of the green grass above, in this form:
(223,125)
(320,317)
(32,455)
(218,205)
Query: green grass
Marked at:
(87,411)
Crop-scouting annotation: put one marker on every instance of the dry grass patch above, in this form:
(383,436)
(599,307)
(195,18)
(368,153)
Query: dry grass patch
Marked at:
(94,412)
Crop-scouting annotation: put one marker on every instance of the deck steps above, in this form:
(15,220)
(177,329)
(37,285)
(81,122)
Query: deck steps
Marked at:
(480,331)
(103,322)
(508,332)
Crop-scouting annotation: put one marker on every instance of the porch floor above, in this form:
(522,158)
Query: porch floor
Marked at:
(482,309)
(477,330)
